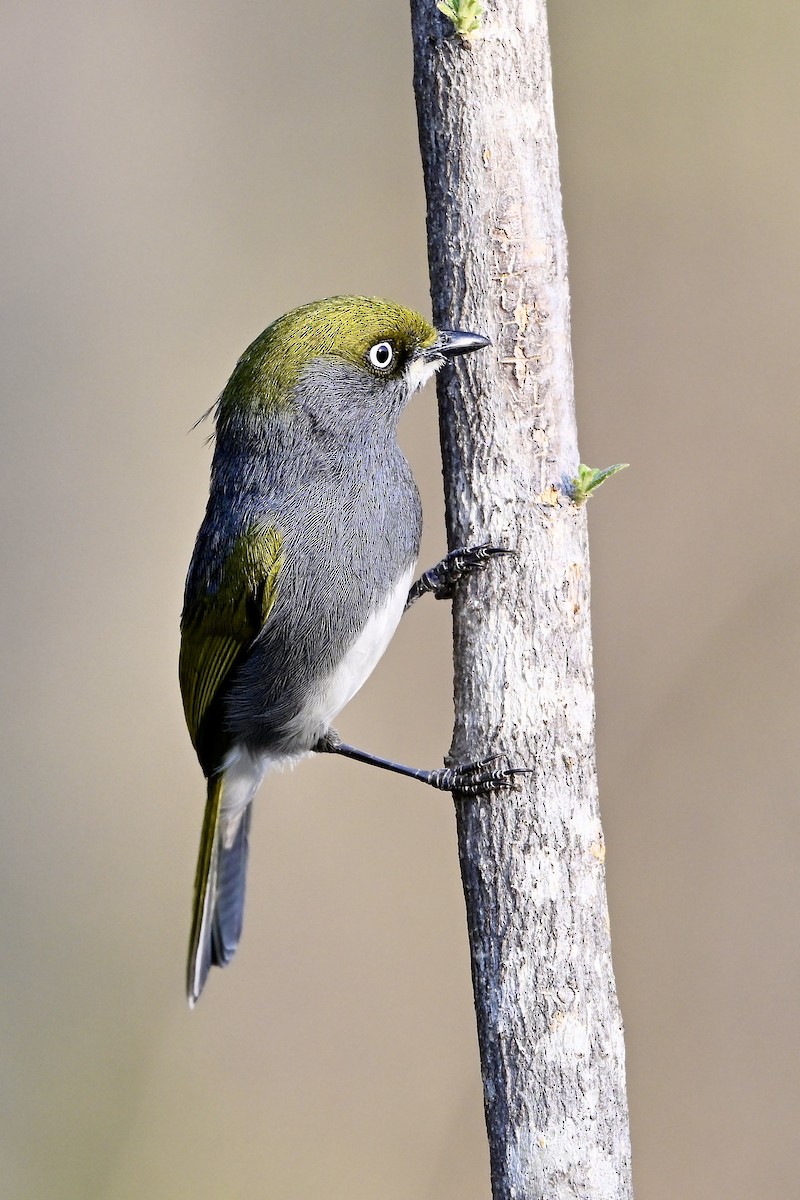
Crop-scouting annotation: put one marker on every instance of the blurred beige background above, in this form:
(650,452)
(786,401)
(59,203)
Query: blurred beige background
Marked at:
(176,175)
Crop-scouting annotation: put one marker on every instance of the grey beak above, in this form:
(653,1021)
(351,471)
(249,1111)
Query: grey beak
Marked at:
(452,342)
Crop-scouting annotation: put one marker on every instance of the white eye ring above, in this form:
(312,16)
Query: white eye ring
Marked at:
(381,356)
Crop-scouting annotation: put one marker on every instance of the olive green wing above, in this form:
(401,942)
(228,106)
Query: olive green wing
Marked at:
(218,627)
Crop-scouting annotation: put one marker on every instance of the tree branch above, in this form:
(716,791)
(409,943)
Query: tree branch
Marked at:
(549,1028)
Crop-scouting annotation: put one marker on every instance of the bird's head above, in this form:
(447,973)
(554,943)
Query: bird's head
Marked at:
(345,354)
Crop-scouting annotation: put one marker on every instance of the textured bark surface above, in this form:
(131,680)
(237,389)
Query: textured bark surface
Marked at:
(549,1027)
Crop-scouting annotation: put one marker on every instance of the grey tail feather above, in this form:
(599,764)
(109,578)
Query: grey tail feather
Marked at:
(226,926)
(219,889)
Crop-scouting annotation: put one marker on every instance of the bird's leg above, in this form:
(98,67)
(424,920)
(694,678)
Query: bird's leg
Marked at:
(468,779)
(442,578)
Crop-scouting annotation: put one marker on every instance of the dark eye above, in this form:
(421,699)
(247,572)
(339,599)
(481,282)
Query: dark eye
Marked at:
(381,356)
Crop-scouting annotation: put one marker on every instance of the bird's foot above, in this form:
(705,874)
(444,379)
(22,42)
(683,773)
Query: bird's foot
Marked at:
(475,778)
(456,565)
(465,779)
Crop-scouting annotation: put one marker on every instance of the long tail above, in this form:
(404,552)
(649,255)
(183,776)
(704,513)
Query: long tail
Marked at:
(218,890)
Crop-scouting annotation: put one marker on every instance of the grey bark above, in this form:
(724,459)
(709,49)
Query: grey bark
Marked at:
(532,859)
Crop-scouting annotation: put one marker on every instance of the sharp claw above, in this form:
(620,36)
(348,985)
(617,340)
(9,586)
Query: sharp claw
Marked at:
(475,555)
(478,762)
(487,549)
(472,779)
(458,564)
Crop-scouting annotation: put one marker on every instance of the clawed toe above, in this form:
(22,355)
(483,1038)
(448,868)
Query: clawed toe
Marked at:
(456,565)
(463,562)
(476,778)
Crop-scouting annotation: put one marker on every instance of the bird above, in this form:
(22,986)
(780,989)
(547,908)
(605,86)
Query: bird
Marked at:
(301,571)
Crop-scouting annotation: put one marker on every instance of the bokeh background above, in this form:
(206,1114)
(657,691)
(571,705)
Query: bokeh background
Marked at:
(177,174)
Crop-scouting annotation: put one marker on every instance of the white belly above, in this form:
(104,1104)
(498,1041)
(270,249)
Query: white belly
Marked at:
(244,769)
(359,662)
